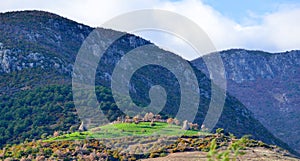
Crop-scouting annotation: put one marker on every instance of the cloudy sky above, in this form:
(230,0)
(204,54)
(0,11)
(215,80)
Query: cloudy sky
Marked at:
(269,25)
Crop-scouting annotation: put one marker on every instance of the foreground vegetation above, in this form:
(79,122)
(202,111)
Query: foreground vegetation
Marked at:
(140,147)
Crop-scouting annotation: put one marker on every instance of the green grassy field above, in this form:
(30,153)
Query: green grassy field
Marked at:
(129,129)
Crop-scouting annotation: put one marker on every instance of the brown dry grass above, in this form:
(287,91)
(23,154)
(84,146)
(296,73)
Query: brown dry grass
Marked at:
(252,154)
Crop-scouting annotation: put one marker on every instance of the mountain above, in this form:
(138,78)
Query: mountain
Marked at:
(37,55)
(268,84)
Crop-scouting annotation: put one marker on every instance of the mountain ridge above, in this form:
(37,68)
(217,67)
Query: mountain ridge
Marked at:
(18,45)
(268,85)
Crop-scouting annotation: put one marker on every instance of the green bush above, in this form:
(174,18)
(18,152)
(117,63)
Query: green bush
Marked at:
(162,154)
(232,152)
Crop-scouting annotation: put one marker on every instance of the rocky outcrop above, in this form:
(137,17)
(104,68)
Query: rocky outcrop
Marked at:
(267,84)
(12,61)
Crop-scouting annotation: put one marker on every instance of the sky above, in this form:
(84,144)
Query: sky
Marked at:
(269,25)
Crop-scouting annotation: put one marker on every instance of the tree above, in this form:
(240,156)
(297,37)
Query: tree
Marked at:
(220,131)
(127,118)
(170,121)
(44,135)
(195,126)
(185,125)
(203,128)
(55,134)
(177,122)
(150,116)
(119,119)
(73,128)
(137,118)
(158,117)
(146,117)
(82,127)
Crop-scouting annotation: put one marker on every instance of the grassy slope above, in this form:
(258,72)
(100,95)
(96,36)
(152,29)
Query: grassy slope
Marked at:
(129,129)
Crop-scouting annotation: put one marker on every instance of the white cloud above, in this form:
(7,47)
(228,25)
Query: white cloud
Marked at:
(283,29)
(278,31)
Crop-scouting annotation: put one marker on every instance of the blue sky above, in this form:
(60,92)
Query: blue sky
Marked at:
(251,24)
(241,9)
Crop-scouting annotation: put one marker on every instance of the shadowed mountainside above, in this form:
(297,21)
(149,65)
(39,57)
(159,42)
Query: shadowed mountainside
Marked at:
(268,85)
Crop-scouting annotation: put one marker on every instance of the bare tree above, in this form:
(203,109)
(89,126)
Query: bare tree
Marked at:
(177,122)
(137,119)
(146,117)
(170,121)
(158,117)
(127,119)
(55,134)
(185,125)
(150,116)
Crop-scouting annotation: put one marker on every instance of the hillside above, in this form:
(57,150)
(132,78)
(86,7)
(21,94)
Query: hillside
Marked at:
(23,115)
(252,154)
(37,54)
(268,84)
(160,147)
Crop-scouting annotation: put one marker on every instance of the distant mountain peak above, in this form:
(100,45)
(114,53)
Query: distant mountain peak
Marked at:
(268,84)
